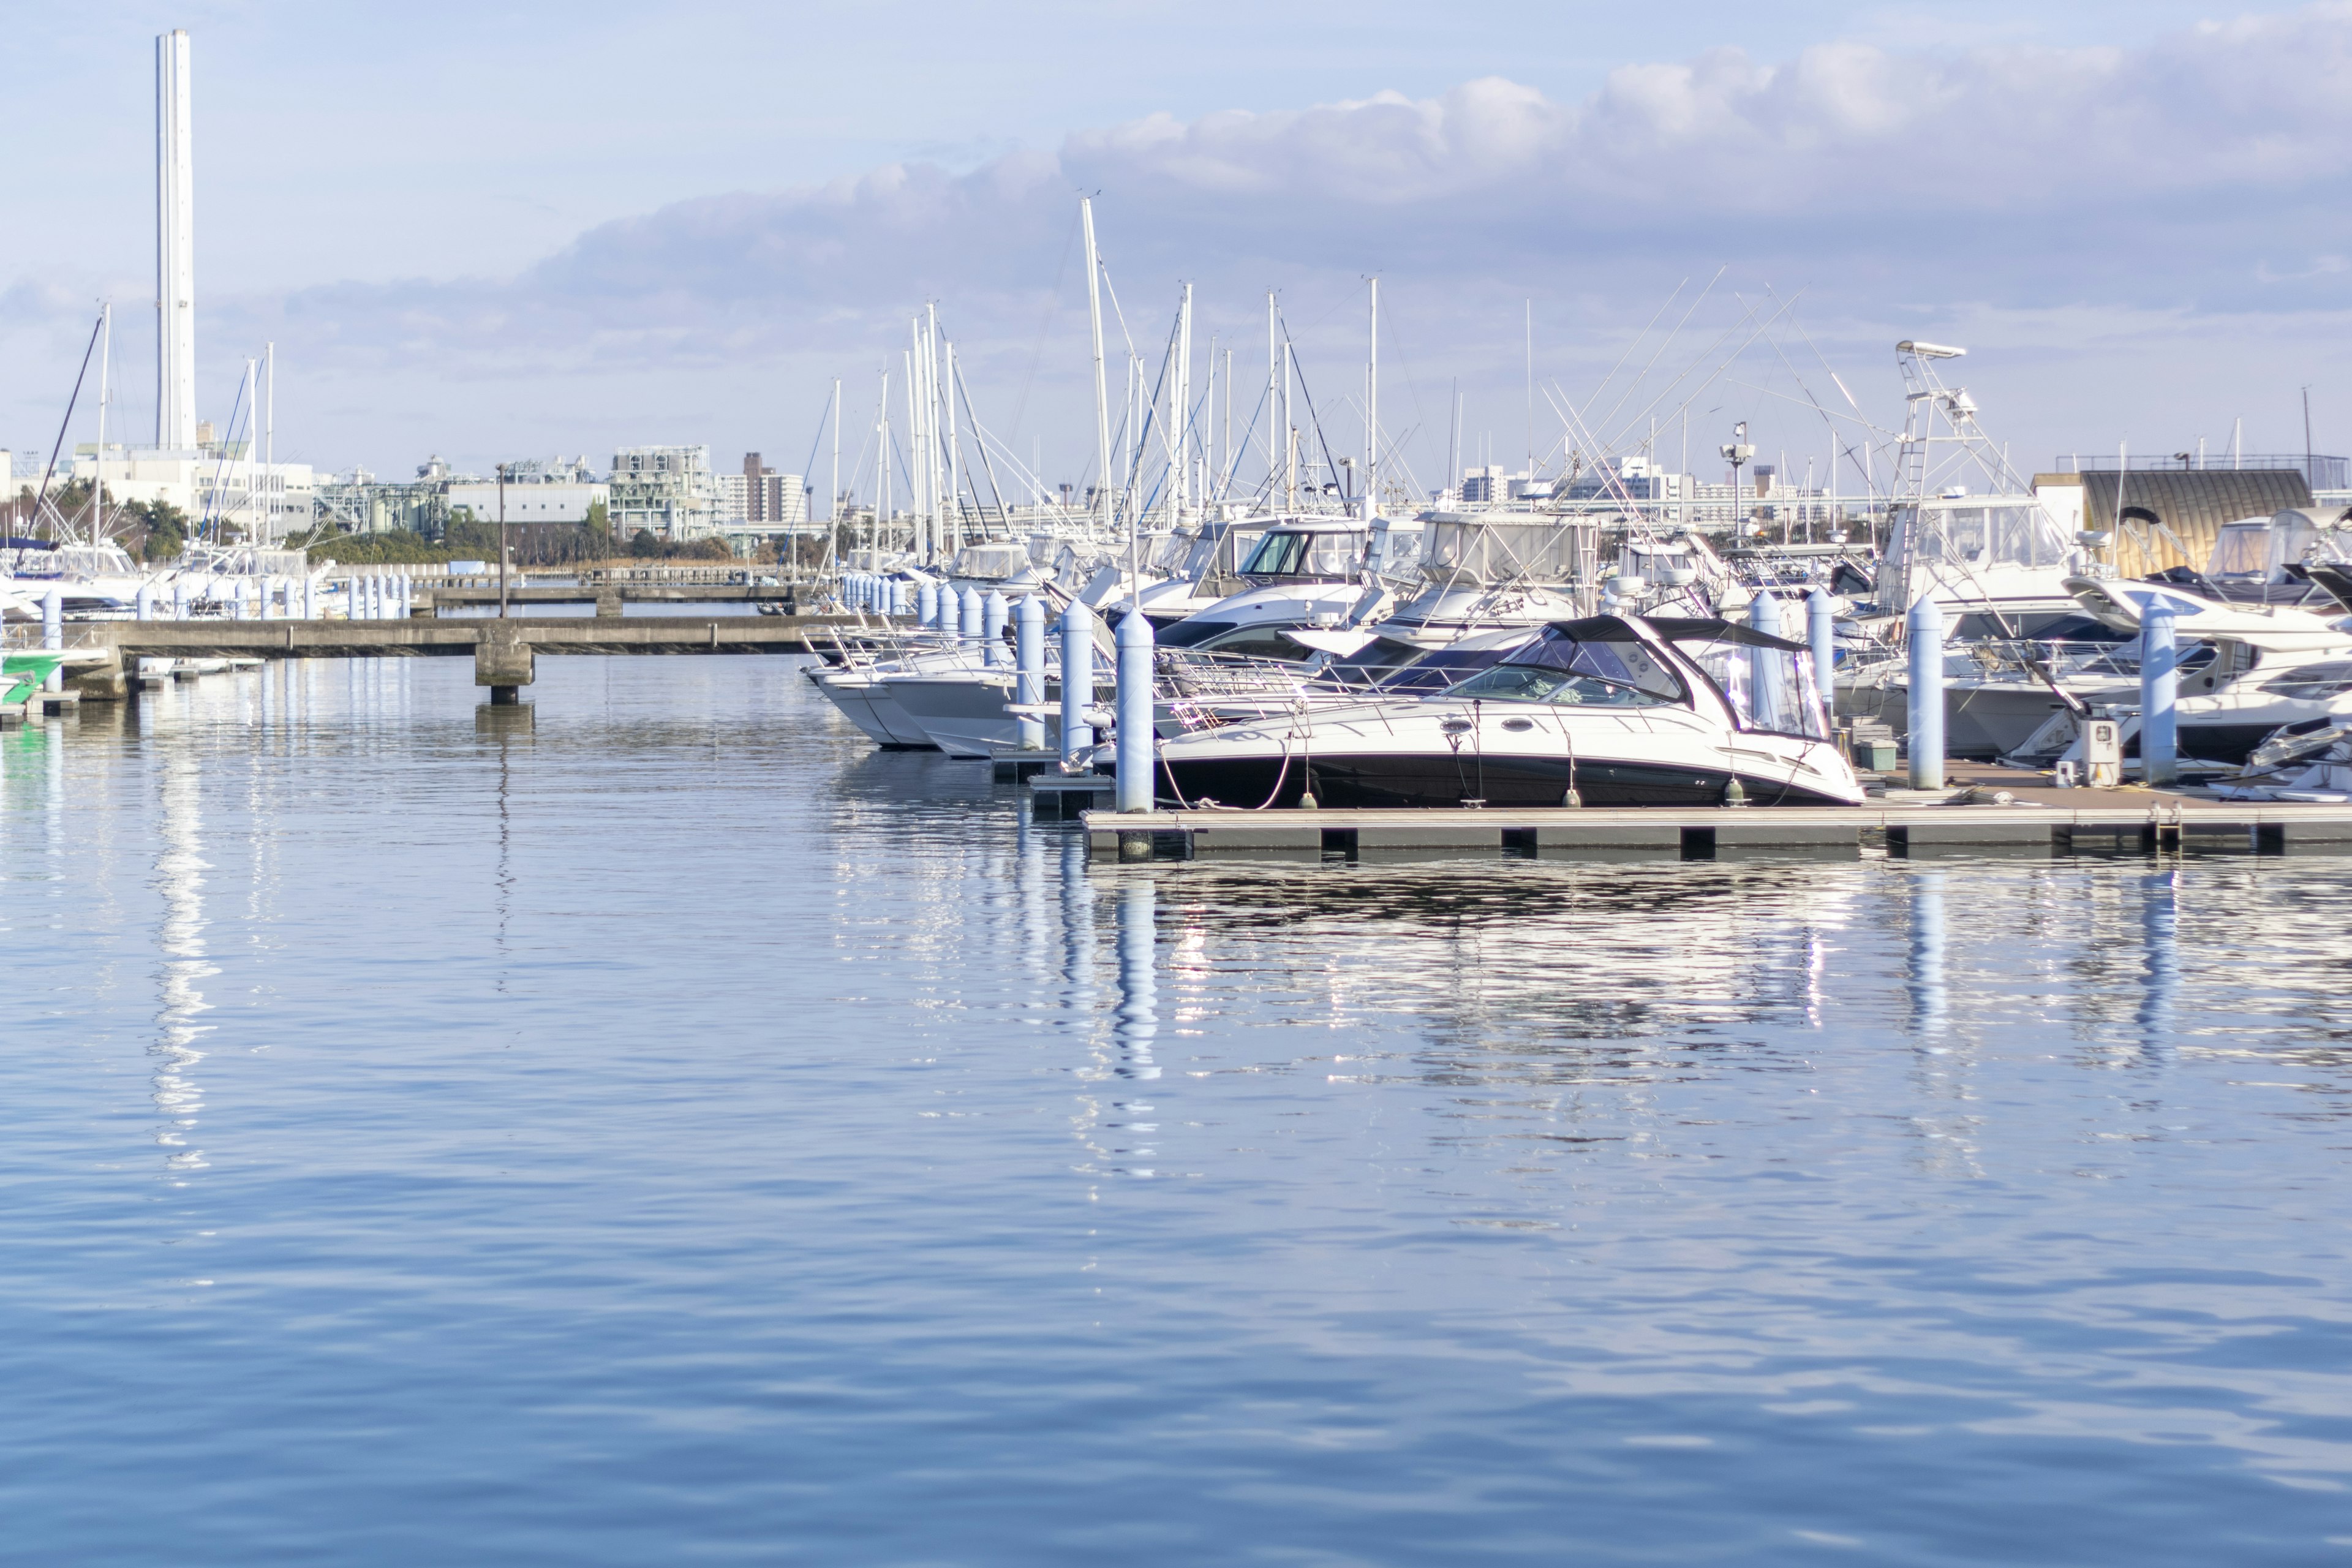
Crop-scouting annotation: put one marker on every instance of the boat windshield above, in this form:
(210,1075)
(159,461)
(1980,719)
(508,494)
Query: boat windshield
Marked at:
(1581,670)
(1283,553)
(1769,686)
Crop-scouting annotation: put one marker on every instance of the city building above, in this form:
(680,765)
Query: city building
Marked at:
(761,500)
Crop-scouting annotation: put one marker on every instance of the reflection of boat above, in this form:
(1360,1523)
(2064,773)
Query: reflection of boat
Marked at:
(1602,711)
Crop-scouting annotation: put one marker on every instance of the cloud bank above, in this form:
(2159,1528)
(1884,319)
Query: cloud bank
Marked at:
(2098,213)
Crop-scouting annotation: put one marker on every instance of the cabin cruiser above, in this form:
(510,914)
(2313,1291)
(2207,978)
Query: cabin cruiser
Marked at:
(1998,695)
(858,684)
(2245,672)
(1202,566)
(1307,573)
(90,579)
(1596,711)
(2265,560)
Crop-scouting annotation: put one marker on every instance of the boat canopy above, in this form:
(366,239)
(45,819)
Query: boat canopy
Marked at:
(1483,549)
(1979,532)
(2260,549)
(990,563)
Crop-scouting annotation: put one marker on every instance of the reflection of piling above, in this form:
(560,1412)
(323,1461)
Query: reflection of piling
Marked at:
(1927,952)
(1139,998)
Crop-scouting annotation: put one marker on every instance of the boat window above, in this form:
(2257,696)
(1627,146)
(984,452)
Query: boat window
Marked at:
(1532,683)
(1581,670)
(1191,634)
(1172,552)
(1770,687)
(1442,669)
(2312,682)
(1258,642)
(1283,554)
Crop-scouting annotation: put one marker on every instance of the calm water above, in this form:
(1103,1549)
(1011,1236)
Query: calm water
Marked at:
(662,1129)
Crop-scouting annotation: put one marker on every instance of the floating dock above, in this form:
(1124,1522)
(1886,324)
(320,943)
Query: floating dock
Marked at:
(1707,833)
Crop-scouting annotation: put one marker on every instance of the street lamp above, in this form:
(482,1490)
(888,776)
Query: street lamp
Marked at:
(1738,450)
(502,541)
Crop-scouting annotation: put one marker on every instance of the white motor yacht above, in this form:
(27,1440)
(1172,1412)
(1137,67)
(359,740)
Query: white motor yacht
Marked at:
(1598,710)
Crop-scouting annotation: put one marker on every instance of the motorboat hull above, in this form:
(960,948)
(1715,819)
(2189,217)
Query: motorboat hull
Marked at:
(1375,781)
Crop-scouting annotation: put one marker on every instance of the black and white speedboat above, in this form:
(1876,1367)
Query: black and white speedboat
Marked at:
(1602,711)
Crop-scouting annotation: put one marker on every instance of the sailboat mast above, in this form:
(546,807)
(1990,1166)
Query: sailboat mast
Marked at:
(98,478)
(1102,387)
(1182,412)
(955,474)
(1372,417)
(1273,403)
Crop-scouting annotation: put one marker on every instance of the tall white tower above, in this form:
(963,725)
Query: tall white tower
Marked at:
(176,247)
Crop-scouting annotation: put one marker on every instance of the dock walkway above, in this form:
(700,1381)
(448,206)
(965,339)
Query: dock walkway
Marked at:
(2132,826)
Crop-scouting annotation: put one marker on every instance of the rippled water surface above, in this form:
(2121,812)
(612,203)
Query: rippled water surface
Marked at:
(658,1129)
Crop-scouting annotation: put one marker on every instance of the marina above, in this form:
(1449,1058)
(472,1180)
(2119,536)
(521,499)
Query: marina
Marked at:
(1140,939)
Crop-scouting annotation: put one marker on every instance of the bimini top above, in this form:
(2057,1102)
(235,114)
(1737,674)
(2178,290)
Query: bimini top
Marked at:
(1676,629)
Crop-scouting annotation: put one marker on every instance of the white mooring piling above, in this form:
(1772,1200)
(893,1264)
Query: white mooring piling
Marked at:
(2159,686)
(927,604)
(1926,630)
(310,597)
(1077,685)
(1137,757)
(1029,657)
(1821,634)
(1764,694)
(992,624)
(179,601)
(53,634)
(972,611)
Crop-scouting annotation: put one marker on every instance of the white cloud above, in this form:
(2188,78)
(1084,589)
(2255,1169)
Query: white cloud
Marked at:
(2197,180)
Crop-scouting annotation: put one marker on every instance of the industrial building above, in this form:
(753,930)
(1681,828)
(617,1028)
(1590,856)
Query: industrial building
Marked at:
(668,492)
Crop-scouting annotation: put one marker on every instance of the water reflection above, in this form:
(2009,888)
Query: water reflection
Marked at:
(1928,995)
(2160,931)
(1137,1014)
(179,879)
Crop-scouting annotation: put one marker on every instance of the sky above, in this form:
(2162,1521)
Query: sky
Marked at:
(492,231)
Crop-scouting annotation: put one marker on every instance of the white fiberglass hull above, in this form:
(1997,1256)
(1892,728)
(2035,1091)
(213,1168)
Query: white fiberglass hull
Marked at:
(1446,751)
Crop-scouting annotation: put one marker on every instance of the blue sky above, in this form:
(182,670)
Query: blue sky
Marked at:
(493,230)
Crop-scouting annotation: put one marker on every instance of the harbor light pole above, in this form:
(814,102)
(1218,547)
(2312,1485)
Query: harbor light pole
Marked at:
(502,541)
(1739,450)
